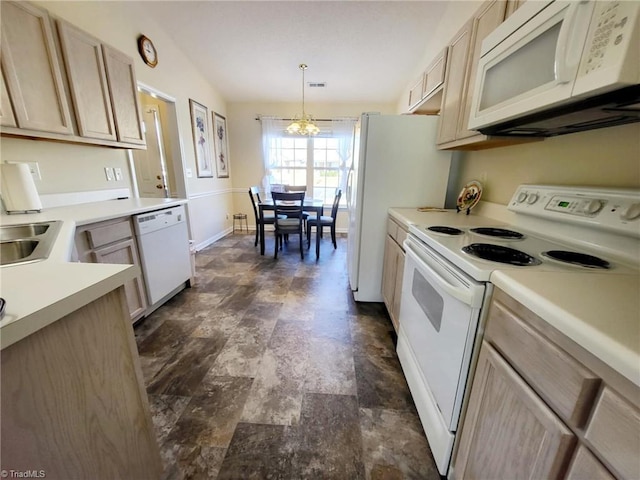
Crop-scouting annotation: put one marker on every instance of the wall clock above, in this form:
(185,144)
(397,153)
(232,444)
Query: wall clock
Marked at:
(147,51)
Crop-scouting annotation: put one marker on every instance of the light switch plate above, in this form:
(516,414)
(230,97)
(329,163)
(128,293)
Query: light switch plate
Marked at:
(118,173)
(188,172)
(108,172)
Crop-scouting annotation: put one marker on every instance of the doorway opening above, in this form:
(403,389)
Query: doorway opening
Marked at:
(158,171)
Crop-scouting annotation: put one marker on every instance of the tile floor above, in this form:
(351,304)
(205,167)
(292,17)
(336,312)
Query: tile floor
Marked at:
(267,369)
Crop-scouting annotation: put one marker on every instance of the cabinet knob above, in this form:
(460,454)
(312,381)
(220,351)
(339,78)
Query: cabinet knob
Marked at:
(159,177)
(160,186)
(631,212)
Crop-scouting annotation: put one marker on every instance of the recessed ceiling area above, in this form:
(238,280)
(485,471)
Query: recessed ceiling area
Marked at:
(365,51)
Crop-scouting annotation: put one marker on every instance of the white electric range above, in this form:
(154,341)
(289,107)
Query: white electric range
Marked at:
(447,275)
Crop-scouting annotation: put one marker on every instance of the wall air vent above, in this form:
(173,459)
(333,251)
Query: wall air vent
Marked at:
(316,84)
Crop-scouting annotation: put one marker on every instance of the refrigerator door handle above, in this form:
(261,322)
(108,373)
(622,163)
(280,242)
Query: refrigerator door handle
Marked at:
(349,187)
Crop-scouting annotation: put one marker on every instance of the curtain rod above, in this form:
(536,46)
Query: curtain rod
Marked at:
(292,119)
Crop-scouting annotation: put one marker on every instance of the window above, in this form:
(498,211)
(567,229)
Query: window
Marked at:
(321,162)
(311,161)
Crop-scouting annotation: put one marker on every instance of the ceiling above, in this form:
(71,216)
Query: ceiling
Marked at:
(365,51)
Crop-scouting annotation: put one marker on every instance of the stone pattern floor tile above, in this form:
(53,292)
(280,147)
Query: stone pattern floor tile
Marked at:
(267,369)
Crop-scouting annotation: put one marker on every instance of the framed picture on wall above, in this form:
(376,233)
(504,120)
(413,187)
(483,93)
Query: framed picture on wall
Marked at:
(221,145)
(201,138)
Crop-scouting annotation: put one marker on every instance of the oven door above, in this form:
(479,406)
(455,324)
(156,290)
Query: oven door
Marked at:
(439,313)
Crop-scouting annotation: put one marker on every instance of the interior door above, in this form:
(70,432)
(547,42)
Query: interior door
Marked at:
(151,165)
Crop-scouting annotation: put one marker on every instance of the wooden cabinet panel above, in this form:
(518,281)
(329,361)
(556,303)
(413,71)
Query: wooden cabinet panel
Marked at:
(7,119)
(32,73)
(454,83)
(388,272)
(415,94)
(397,291)
(125,102)
(73,399)
(393,270)
(485,22)
(88,82)
(512,6)
(125,253)
(509,432)
(109,232)
(586,466)
(568,386)
(434,76)
(614,431)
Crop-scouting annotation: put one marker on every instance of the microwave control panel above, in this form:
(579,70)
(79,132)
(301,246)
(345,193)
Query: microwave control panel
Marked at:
(613,26)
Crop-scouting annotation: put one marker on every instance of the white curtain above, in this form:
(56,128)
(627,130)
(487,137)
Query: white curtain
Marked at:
(344,129)
(272,129)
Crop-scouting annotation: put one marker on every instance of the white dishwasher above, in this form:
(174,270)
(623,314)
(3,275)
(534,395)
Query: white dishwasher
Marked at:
(163,242)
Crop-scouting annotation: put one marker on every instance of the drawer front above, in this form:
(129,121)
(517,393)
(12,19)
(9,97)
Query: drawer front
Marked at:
(109,233)
(614,432)
(392,228)
(564,383)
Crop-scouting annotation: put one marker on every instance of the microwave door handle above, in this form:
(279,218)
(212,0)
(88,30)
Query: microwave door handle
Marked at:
(566,62)
(460,292)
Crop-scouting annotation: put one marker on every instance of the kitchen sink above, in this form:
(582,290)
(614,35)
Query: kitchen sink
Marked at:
(25,243)
(15,232)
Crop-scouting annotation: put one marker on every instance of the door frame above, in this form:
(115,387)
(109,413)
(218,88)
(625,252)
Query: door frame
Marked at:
(177,146)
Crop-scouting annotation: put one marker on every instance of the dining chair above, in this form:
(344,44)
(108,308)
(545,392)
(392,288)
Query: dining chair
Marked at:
(295,188)
(326,221)
(268,218)
(288,205)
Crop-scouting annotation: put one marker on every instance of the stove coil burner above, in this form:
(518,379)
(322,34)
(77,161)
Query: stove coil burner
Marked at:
(498,232)
(501,254)
(445,230)
(575,258)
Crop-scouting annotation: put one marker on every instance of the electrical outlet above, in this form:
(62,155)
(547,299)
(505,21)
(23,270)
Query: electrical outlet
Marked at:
(118,173)
(108,172)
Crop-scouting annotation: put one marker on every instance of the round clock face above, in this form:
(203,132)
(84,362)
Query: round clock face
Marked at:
(148,51)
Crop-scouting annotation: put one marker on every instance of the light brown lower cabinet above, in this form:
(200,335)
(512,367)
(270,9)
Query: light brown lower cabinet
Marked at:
(113,241)
(509,432)
(393,270)
(74,405)
(542,406)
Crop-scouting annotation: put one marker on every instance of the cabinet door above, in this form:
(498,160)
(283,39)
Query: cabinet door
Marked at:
(397,292)
(32,73)
(87,82)
(508,431)
(389,272)
(125,102)
(585,465)
(485,22)
(454,84)
(7,119)
(123,253)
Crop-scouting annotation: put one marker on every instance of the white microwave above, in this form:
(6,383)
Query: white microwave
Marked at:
(557,67)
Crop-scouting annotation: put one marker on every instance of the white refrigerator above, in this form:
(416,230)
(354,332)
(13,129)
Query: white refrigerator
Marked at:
(395,164)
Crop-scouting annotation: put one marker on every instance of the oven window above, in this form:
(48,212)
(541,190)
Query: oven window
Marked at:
(428,298)
(505,80)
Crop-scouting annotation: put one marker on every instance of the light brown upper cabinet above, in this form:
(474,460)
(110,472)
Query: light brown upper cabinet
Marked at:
(460,79)
(426,96)
(88,82)
(31,70)
(103,109)
(121,77)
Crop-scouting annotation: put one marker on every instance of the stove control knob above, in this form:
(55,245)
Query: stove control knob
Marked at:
(631,212)
(592,206)
(533,198)
(522,196)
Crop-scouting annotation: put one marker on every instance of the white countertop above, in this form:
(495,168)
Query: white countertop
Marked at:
(598,311)
(38,294)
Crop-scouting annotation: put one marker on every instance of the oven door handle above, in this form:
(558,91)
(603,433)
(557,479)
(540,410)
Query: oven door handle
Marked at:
(444,279)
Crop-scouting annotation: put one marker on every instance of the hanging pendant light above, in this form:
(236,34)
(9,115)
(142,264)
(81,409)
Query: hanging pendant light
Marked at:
(303,124)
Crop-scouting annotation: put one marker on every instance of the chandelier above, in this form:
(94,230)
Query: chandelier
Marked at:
(303,124)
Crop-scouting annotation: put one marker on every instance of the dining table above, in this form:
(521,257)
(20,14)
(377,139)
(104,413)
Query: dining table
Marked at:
(308,205)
